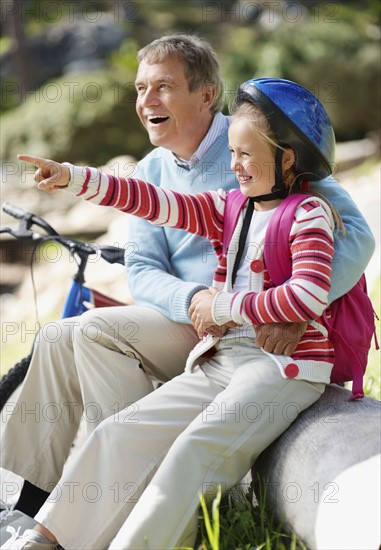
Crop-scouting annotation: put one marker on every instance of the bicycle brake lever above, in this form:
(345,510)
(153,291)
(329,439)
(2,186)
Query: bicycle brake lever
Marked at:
(21,234)
(5,230)
(113,254)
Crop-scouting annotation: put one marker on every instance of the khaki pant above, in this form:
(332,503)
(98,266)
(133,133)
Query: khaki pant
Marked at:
(136,482)
(90,366)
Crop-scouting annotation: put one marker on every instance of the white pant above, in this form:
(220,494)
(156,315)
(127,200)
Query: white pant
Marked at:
(92,365)
(139,475)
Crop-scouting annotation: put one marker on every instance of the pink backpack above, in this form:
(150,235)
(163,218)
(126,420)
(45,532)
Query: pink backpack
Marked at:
(349,319)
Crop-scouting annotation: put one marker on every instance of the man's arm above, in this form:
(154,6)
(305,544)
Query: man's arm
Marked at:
(353,252)
(150,277)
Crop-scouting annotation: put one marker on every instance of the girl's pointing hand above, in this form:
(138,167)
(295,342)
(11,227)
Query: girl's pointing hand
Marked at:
(50,175)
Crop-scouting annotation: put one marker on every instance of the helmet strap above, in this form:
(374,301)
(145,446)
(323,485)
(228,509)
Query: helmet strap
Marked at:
(268,197)
(279,191)
(279,187)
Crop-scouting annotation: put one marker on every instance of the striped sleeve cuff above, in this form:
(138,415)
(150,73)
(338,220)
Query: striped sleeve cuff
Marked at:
(228,306)
(81,176)
(77,177)
(221,307)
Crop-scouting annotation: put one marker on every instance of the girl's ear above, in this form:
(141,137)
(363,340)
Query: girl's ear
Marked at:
(288,158)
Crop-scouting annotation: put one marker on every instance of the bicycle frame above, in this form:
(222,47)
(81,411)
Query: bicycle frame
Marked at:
(79,297)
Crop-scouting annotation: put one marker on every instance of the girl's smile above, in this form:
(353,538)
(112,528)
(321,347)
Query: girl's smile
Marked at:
(252,158)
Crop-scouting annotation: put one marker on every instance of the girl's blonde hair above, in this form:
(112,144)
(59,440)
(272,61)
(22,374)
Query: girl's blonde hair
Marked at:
(261,126)
(250,112)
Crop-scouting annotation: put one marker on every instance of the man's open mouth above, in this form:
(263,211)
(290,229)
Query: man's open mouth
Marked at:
(157,119)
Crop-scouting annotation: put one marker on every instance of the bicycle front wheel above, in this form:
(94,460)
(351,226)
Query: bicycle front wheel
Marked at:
(12,379)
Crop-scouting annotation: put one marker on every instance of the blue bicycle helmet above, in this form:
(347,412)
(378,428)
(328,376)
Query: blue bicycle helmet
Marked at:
(298,120)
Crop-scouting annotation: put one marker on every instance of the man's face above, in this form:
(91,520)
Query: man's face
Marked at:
(174,117)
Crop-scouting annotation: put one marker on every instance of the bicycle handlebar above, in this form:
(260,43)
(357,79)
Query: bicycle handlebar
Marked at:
(15,211)
(27,219)
(110,254)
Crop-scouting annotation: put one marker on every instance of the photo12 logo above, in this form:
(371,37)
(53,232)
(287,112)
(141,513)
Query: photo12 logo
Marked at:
(69,11)
(268,13)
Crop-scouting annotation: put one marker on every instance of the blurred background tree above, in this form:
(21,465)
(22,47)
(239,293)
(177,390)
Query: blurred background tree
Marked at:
(68,67)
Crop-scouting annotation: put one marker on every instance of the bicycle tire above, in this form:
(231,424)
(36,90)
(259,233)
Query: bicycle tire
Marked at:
(12,379)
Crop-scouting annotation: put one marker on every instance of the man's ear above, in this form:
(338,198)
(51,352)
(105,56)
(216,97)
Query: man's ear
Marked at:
(208,94)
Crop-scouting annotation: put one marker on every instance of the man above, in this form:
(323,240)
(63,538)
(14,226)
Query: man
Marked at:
(108,357)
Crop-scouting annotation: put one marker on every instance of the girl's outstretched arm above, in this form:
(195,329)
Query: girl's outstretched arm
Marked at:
(201,214)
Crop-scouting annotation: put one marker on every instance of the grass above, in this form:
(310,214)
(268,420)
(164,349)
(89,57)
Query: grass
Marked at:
(18,341)
(372,378)
(236,524)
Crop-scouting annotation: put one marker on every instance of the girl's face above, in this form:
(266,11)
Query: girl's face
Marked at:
(252,160)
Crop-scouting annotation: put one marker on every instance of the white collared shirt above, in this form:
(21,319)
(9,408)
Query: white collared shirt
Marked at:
(220,124)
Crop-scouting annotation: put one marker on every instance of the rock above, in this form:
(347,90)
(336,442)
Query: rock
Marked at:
(322,475)
(352,153)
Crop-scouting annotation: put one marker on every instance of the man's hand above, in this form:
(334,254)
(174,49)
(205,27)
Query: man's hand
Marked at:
(279,338)
(50,175)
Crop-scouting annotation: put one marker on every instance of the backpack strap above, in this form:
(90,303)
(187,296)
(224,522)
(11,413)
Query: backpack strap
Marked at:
(276,250)
(235,201)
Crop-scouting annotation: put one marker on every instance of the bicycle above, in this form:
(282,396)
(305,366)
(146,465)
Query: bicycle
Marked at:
(79,297)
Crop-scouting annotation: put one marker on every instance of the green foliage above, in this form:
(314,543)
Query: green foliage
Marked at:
(124,59)
(88,117)
(9,98)
(36,14)
(337,61)
(331,48)
(5,44)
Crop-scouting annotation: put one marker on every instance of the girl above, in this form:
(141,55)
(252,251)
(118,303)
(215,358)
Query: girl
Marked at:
(139,476)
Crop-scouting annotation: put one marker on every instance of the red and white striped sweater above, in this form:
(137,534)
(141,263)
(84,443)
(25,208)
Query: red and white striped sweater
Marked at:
(302,298)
